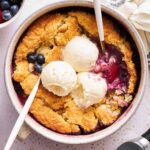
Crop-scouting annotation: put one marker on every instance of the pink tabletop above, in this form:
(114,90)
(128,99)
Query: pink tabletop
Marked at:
(8,115)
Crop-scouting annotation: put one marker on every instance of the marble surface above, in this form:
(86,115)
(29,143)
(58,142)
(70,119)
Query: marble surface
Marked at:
(138,124)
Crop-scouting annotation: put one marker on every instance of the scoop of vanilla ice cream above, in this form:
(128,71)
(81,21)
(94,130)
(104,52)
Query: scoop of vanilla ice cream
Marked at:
(59,78)
(81,53)
(90,89)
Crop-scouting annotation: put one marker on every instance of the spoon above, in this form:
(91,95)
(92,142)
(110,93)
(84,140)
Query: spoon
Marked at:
(22,116)
(140,143)
(98,14)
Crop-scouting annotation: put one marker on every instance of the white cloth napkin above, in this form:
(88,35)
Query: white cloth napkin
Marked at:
(138,13)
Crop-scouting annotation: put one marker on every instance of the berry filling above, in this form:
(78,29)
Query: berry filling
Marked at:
(112,67)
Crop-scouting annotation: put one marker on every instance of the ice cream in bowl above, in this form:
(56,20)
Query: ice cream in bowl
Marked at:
(59,78)
(84,93)
(80,50)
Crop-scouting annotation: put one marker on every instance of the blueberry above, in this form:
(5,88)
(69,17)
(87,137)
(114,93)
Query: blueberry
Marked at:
(5,4)
(31,57)
(14,9)
(38,68)
(40,59)
(6,14)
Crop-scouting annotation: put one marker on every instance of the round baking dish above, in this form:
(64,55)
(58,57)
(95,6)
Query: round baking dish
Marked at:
(74,139)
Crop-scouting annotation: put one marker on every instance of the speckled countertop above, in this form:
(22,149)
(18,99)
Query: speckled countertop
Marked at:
(8,115)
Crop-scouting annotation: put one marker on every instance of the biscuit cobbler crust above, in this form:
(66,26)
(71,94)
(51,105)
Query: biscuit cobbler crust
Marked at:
(48,35)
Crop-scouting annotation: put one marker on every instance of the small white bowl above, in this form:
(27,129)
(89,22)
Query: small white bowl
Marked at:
(74,139)
(3,25)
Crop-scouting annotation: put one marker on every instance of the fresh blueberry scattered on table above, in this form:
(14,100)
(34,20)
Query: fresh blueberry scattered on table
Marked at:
(8,8)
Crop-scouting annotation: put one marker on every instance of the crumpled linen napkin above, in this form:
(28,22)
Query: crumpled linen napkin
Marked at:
(138,13)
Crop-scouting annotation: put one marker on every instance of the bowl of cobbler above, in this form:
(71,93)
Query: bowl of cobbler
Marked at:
(85,94)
